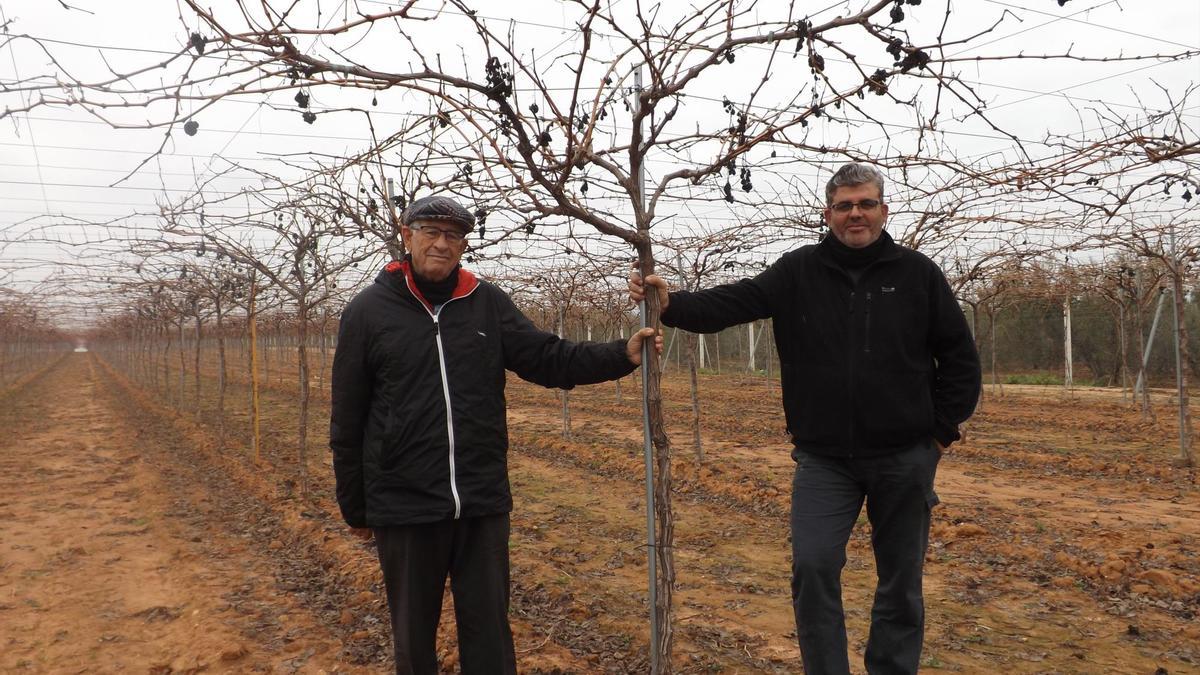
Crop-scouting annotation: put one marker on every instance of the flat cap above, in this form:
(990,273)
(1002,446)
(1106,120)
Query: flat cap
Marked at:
(438,208)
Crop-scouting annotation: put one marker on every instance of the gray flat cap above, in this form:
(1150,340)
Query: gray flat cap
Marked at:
(438,208)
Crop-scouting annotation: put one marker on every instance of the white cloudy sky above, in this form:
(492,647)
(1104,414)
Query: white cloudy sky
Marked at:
(58,162)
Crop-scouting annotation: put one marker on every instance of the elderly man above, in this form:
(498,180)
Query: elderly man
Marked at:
(879,369)
(419,436)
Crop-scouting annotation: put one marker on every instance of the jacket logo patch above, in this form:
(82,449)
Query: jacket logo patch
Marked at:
(887,289)
(481,333)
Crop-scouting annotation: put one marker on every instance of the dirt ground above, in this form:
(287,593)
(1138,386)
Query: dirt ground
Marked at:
(1065,541)
(134,537)
(115,555)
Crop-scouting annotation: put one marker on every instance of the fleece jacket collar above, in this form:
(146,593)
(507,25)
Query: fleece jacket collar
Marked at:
(402,270)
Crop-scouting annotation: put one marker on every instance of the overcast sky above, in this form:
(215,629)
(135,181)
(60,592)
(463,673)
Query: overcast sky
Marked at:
(58,161)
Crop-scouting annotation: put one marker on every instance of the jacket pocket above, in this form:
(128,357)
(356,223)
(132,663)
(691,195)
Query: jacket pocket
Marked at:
(390,450)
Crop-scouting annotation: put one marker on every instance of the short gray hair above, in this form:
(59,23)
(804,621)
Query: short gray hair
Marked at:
(852,174)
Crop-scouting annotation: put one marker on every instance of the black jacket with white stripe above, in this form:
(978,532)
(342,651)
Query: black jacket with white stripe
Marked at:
(418,428)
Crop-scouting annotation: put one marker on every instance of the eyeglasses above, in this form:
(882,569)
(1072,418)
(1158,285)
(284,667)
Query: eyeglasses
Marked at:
(432,233)
(863,205)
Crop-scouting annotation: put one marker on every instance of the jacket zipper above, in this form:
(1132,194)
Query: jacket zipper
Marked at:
(850,349)
(437,335)
(867,330)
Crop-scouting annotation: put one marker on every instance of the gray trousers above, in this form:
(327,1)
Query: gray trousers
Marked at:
(416,560)
(827,496)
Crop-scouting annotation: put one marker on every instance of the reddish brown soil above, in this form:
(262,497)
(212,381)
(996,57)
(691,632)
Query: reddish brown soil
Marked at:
(1065,542)
(116,555)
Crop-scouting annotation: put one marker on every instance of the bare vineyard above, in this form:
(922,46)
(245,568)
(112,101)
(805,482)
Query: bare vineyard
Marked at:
(1044,555)
(194,196)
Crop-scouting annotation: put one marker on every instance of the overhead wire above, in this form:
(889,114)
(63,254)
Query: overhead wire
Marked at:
(601,34)
(911,128)
(32,137)
(1071,18)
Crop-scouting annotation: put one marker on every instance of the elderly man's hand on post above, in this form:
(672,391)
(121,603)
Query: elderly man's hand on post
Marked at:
(637,290)
(633,349)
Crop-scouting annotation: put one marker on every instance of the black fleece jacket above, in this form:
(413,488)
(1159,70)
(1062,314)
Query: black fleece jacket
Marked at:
(869,367)
(417,428)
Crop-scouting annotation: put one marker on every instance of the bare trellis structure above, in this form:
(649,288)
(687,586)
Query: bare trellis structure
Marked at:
(644,126)
(1135,186)
(699,260)
(281,236)
(29,340)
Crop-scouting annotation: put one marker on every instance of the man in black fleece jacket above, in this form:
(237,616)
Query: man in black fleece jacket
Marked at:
(879,368)
(419,437)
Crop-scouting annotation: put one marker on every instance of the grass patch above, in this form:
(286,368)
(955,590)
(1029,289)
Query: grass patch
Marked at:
(1034,378)
(932,661)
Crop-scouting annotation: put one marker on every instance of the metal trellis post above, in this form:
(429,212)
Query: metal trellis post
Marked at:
(647,443)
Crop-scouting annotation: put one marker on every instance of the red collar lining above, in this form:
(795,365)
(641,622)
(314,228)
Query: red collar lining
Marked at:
(467,282)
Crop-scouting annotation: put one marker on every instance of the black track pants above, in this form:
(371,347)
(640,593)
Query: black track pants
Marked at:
(827,496)
(416,560)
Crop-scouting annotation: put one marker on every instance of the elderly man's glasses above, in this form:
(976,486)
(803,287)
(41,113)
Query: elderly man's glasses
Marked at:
(432,233)
(863,205)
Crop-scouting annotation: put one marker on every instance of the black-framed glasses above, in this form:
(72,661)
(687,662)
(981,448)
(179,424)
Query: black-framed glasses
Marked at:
(862,204)
(431,233)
